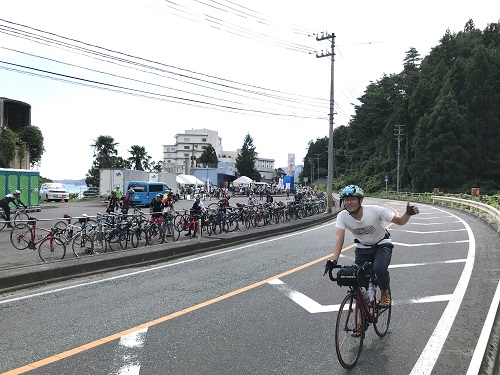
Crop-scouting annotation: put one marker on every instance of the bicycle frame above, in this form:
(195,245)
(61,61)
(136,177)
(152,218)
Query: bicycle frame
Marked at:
(32,241)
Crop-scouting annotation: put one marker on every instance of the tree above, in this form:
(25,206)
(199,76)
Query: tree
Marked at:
(279,173)
(139,158)
(28,139)
(157,167)
(209,156)
(245,161)
(412,59)
(105,151)
(105,156)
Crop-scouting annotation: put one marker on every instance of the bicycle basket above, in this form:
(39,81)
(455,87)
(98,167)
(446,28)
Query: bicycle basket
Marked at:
(352,276)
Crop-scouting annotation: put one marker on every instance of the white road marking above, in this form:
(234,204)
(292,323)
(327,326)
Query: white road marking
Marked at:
(427,264)
(438,298)
(128,353)
(428,232)
(426,244)
(437,223)
(313,307)
(482,343)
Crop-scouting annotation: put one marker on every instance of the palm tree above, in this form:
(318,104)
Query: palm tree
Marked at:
(140,158)
(105,151)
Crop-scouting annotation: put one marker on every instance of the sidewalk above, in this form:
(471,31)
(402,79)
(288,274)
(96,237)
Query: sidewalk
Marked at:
(19,269)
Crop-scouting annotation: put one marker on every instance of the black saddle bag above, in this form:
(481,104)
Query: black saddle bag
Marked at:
(352,276)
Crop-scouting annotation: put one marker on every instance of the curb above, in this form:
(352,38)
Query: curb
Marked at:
(40,274)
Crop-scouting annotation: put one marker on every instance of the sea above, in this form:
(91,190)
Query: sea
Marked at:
(76,189)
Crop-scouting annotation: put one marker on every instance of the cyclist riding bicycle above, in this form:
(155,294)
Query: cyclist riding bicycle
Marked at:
(11,198)
(373,243)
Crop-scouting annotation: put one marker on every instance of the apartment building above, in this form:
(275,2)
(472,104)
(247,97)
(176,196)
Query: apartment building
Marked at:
(180,158)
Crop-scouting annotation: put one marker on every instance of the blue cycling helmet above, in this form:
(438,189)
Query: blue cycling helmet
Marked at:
(352,190)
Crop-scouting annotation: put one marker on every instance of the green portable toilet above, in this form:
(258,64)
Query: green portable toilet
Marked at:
(28,182)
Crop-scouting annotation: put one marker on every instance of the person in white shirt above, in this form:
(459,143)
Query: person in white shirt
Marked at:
(373,243)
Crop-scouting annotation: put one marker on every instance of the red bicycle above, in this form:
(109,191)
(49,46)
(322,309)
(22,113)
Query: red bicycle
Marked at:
(28,235)
(360,308)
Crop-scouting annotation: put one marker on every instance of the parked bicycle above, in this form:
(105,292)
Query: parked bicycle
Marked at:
(29,235)
(79,235)
(359,308)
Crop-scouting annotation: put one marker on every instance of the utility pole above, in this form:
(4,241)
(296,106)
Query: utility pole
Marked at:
(317,157)
(398,133)
(329,187)
(311,163)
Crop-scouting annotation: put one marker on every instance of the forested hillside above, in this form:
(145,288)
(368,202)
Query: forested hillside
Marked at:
(448,104)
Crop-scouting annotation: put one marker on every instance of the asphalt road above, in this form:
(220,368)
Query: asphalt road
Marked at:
(262,308)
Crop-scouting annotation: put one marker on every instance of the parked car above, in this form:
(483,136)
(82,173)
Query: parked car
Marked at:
(53,191)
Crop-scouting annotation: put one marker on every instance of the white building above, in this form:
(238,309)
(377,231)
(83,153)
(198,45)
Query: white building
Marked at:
(181,156)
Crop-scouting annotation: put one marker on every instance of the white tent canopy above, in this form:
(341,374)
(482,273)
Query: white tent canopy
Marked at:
(242,180)
(186,179)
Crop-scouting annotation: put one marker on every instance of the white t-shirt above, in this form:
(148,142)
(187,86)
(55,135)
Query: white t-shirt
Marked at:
(371,228)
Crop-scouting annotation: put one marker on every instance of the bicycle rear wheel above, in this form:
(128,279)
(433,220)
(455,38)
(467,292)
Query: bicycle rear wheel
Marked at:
(3,223)
(82,244)
(382,316)
(349,332)
(19,236)
(51,249)
(99,243)
(154,235)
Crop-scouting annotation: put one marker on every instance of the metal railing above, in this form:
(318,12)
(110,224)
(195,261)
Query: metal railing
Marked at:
(487,212)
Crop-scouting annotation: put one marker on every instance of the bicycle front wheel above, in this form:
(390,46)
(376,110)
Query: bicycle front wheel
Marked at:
(154,235)
(382,318)
(21,218)
(51,249)
(349,332)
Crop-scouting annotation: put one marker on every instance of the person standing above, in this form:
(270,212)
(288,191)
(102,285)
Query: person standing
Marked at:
(127,201)
(11,198)
(113,203)
(196,212)
(373,242)
(118,192)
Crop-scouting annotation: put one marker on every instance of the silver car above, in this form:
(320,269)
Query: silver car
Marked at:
(53,191)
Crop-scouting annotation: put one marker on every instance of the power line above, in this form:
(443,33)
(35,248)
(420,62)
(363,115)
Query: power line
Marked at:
(229,84)
(147,94)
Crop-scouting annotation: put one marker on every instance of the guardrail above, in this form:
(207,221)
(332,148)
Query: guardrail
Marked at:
(487,212)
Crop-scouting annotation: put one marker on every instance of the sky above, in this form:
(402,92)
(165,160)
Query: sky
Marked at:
(143,71)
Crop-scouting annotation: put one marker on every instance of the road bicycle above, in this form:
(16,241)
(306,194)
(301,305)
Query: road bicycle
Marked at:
(359,308)
(79,234)
(29,235)
(18,217)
